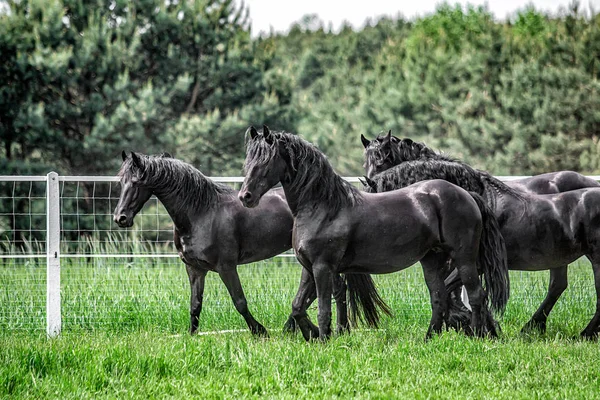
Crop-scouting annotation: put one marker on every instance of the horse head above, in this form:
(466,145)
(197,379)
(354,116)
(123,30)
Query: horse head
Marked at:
(134,189)
(380,153)
(387,151)
(264,166)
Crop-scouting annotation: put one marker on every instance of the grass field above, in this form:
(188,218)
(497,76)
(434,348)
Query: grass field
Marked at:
(125,335)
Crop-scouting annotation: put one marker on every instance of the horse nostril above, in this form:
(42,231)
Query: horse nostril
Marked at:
(247,196)
(122,219)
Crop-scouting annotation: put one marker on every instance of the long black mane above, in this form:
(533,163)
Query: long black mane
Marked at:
(312,179)
(416,162)
(410,172)
(169,177)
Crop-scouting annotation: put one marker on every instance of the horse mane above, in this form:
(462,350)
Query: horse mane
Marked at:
(460,174)
(168,176)
(401,150)
(437,165)
(313,179)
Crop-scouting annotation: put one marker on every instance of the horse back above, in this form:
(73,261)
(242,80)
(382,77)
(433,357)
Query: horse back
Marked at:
(553,230)
(554,182)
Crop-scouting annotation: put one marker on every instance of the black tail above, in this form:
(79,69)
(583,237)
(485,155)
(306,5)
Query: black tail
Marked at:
(492,257)
(364,300)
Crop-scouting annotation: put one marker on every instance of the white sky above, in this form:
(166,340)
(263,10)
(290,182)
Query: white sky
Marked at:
(281,14)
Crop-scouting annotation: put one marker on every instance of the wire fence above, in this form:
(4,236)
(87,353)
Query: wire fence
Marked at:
(119,279)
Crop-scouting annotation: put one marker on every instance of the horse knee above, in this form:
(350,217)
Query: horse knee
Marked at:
(558,286)
(298,309)
(241,306)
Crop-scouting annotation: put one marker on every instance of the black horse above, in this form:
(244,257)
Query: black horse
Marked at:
(214,232)
(339,229)
(541,231)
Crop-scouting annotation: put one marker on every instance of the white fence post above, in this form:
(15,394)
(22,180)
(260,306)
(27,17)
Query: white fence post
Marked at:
(53,317)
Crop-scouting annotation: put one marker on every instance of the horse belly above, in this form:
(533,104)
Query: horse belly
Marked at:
(541,239)
(385,259)
(541,255)
(393,243)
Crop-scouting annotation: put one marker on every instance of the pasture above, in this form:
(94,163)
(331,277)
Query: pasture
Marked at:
(125,335)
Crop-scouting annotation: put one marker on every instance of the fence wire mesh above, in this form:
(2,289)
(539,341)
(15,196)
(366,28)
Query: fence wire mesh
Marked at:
(112,279)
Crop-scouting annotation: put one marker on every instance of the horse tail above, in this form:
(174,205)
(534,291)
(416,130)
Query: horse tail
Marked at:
(364,300)
(492,257)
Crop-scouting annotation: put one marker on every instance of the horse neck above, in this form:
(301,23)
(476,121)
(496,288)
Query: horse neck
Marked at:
(186,194)
(309,187)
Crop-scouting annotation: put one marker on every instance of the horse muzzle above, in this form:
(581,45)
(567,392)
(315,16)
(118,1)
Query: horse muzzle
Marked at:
(123,220)
(247,199)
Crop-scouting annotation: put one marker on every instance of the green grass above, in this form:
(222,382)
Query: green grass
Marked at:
(125,335)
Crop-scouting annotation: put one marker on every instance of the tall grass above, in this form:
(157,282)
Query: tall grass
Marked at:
(129,294)
(125,335)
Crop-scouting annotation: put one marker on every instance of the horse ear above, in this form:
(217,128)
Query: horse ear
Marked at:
(371,183)
(364,140)
(123,155)
(252,131)
(387,139)
(267,134)
(136,160)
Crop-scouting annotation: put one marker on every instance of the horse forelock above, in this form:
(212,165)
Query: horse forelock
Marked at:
(259,152)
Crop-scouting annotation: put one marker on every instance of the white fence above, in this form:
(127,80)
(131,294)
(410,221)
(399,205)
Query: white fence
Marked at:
(60,217)
(63,217)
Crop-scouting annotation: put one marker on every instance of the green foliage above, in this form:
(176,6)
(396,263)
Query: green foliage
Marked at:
(112,75)
(81,80)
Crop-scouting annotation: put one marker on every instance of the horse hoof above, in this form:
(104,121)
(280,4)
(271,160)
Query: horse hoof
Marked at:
(290,326)
(324,338)
(592,336)
(534,326)
(260,331)
(314,333)
(493,333)
(342,330)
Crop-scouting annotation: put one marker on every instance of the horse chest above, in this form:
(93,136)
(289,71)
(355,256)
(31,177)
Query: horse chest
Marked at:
(193,254)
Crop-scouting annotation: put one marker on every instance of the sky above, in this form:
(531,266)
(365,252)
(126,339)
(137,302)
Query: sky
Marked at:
(281,14)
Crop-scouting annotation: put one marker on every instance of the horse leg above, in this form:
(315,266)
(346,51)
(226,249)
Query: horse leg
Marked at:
(339,294)
(458,316)
(231,279)
(197,277)
(593,328)
(432,264)
(307,293)
(558,284)
(322,274)
(477,299)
